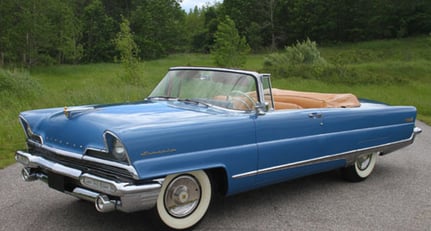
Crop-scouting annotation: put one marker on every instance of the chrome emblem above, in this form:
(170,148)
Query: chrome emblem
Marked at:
(168,150)
(409,120)
(66,113)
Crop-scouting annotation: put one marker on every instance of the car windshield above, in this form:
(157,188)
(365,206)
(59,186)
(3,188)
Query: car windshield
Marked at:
(229,90)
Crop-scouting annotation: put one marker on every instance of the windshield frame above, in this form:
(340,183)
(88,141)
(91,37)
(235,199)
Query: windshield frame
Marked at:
(162,92)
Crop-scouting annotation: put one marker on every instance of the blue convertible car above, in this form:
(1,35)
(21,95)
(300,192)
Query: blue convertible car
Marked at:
(204,131)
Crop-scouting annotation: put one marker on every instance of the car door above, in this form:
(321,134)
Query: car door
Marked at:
(287,140)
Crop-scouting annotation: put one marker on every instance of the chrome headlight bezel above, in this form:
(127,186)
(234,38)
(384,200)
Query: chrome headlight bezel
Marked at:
(28,131)
(116,148)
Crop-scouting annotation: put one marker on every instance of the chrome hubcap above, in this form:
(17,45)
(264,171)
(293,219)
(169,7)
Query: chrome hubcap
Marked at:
(364,161)
(182,196)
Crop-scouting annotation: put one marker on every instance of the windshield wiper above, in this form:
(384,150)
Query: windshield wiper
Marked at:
(194,101)
(186,100)
(161,98)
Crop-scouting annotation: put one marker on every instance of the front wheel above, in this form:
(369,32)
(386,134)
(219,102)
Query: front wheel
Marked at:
(184,199)
(362,168)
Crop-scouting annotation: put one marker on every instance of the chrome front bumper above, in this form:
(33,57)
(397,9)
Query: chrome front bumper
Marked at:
(107,194)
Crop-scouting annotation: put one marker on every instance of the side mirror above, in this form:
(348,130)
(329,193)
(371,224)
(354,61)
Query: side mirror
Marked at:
(261,108)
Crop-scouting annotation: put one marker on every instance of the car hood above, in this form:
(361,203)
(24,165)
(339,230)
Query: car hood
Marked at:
(78,128)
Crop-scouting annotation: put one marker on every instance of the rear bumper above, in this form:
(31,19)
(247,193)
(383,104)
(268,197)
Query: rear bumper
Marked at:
(107,194)
(417,130)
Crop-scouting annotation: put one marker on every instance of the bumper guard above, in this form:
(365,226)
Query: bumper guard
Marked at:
(94,188)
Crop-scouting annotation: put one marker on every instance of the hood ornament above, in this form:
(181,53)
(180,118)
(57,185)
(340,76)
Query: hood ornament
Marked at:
(73,111)
(66,113)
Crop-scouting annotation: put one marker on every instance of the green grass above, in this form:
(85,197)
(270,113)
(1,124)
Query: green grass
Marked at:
(67,85)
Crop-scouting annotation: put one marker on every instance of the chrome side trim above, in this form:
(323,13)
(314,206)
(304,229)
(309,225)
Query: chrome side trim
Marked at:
(349,156)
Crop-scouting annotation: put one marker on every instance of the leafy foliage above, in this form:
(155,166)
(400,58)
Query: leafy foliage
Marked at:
(38,32)
(158,27)
(17,84)
(45,32)
(230,49)
(98,32)
(201,25)
(128,53)
(301,60)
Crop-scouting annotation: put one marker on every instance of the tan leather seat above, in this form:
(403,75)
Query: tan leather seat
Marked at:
(282,105)
(285,98)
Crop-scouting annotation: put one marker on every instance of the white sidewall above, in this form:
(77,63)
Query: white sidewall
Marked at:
(366,172)
(195,216)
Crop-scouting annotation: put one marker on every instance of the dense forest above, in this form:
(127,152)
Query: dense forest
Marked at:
(40,32)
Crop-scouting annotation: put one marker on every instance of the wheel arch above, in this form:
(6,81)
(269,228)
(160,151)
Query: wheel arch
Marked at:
(218,177)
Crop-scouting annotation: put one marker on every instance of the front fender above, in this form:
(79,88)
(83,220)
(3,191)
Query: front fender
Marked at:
(233,160)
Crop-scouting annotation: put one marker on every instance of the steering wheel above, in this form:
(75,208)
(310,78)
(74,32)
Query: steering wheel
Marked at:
(240,93)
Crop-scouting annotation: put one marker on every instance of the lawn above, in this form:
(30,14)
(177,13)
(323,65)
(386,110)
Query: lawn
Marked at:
(67,85)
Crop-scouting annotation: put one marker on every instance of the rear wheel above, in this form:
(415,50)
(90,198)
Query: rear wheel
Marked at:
(362,168)
(184,199)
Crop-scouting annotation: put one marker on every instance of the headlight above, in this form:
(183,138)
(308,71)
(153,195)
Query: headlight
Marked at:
(119,151)
(116,148)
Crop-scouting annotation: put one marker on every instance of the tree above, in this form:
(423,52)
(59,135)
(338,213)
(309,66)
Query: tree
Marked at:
(230,49)
(67,29)
(158,25)
(202,35)
(98,33)
(38,32)
(34,32)
(128,52)
(6,30)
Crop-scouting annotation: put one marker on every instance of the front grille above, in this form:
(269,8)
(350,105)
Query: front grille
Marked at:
(98,169)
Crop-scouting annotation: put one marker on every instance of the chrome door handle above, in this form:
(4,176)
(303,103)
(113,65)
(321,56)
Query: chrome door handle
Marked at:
(315,115)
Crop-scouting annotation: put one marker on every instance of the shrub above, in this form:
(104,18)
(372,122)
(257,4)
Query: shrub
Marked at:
(300,60)
(17,84)
(303,60)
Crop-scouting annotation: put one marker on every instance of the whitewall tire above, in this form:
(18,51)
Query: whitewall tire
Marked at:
(184,199)
(362,168)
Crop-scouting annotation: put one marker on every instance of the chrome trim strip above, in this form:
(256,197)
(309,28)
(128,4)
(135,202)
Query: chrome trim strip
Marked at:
(57,151)
(349,156)
(129,168)
(37,161)
(236,71)
(22,120)
(122,188)
(107,132)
